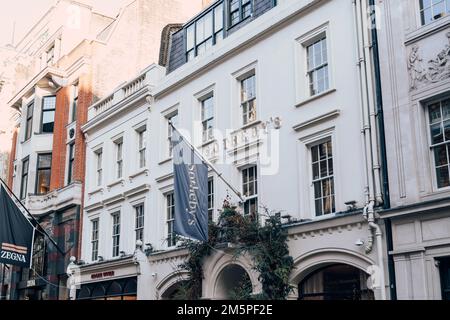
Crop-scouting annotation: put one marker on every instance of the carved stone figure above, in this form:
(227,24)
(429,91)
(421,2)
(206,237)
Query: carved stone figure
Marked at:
(438,69)
(415,67)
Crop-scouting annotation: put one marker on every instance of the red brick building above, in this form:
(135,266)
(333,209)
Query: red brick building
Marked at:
(68,66)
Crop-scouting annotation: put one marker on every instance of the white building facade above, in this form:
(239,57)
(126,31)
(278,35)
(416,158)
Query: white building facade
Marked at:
(414,43)
(278,95)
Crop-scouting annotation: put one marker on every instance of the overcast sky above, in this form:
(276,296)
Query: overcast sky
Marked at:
(25,13)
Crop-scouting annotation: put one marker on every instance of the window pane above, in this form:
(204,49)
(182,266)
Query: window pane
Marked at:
(442,177)
(317,190)
(425,4)
(438,9)
(43,181)
(44,160)
(234,5)
(218,18)
(49,103)
(246,10)
(436,133)
(48,119)
(208,25)
(200,26)
(440,156)
(190,37)
(318,207)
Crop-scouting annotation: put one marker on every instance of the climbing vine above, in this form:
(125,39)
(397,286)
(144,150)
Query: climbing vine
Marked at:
(265,243)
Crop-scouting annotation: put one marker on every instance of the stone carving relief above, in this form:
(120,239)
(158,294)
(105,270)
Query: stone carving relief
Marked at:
(433,71)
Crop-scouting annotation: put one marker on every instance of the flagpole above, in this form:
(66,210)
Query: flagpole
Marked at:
(33,218)
(208,163)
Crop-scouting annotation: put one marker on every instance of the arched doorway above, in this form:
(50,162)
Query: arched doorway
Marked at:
(233,283)
(174,291)
(335,282)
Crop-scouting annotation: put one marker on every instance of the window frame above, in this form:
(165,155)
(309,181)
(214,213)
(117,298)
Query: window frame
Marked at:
(311,70)
(170,219)
(95,240)
(70,163)
(29,121)
(249,103)
(422,9)
(75,93)
(118,145)
(38,169)
(432,146)
(210,199)
(240,12)
(43,111)
(139,223)
(253,198)
(99,166)
(169,117)
(50,58)
(215,34)
(23,193)
(142,147)
(207,135)
(313,181)
(116,225)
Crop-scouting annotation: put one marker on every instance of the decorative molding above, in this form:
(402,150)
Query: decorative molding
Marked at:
(141,172)
(435,70)
(115,183)
(314,97)
(316,120)
(136,191)
(164,177)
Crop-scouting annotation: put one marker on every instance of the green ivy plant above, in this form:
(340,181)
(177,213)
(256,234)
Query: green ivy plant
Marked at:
(265,243)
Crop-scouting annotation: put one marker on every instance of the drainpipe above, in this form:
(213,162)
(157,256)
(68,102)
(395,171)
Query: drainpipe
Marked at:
(370,139)
(383,155)
(367,46)
(374,229)
(364,124)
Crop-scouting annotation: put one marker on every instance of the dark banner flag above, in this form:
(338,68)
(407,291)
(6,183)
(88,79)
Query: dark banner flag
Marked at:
(191,191)
(16,233)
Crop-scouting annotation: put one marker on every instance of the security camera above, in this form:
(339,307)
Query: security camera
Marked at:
(154,274)
(359,243)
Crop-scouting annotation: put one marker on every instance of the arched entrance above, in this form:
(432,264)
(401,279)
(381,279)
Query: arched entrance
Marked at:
(233,283)
(335,282)
(173,292)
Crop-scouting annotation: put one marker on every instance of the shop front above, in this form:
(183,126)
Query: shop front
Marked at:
(109,280)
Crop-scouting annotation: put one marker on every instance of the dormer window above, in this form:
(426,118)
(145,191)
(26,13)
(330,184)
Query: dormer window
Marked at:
(239,11)
(205,32)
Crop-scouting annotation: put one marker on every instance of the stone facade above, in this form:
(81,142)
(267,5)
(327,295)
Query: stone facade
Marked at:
(415,61)
(348,242)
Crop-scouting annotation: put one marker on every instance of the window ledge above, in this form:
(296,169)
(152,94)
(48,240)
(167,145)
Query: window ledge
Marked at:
(427,29)
(313,98)
(240,22)
(95,191)
(120,181)
(141,172)
(248,125)
(165,161)
(207,143)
